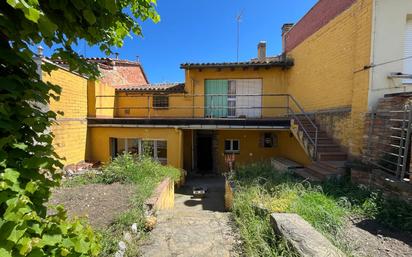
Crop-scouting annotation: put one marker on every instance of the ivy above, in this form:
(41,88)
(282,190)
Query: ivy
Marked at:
(29,167)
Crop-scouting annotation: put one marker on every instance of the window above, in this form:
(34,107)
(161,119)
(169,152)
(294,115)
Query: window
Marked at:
(408,51)
(232,146)
(154,148)
(269,140)
(160,101)
(233,98)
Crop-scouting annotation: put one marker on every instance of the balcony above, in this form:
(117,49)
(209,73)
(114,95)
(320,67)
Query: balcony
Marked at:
(196,110)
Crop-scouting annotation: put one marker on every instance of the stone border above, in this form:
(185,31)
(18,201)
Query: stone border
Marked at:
(162,198)
(304,239)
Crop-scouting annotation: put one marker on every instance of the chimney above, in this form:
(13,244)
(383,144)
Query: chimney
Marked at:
(285,29)
(262,51)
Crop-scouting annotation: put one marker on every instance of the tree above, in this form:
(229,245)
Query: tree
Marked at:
(29,167)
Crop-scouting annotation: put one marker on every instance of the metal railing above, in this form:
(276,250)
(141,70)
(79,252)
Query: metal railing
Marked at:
(305,116)
(213,106)
(389,139)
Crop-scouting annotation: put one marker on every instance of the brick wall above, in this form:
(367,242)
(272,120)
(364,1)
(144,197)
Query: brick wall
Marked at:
(71,128)
(377,179)
(379,132)
(320,14)
(323,76)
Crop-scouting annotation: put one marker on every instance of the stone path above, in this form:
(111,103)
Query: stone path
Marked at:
(195,227)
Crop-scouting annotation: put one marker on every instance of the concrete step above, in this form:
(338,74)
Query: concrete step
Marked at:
(329,148)
(324,173)
(327,141)
(332,156)
(320,134)
(333,164)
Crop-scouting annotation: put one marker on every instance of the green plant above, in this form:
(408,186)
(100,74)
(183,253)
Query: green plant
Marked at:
(145,174)
(141,170)
(325,205)
(28,163)
(256,232)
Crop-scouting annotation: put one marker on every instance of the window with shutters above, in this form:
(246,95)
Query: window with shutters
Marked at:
(240,98)
(408,51)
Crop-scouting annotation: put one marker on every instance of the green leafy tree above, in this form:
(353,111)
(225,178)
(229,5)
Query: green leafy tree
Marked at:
(28,164)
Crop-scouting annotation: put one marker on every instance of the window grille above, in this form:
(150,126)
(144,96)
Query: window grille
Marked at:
(161,101)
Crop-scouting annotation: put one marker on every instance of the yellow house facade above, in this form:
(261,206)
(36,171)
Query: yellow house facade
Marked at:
(193,128)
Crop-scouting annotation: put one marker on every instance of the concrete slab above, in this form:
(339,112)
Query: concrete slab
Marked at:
(302,236)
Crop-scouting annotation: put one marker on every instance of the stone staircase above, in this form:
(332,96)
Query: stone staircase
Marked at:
(330,159)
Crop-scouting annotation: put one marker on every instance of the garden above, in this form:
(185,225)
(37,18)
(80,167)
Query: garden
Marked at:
(112,199)
(357,220)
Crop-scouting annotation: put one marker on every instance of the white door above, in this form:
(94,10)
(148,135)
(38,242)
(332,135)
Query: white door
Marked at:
(408,51)
(250,104)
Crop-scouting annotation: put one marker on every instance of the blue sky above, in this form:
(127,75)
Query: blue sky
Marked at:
(205,31)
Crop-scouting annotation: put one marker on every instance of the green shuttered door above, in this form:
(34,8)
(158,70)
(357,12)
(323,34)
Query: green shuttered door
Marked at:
(216,106)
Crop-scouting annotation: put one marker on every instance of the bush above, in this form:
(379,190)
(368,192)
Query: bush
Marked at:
(128,168)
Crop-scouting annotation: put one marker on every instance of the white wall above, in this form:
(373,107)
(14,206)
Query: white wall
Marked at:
(389,24)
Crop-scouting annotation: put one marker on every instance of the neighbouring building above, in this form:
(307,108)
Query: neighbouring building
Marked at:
(310,104)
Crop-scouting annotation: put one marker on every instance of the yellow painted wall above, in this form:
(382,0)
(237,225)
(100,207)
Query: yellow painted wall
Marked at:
(71,128)
(138,103)
(191,104)
(99,141)
(273,82)
(252,151)
(100,95)
(323,75)
(187,149)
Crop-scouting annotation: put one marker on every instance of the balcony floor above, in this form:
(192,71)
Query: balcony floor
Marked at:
(195,123)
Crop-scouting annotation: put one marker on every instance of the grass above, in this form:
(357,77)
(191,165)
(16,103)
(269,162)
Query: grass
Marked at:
(145,174)
(326,206)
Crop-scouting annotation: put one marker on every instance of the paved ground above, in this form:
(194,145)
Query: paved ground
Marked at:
(195,227)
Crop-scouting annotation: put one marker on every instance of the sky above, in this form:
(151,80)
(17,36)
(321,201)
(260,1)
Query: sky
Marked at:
(206,31)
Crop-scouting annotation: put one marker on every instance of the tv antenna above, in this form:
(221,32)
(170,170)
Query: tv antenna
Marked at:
(238,20)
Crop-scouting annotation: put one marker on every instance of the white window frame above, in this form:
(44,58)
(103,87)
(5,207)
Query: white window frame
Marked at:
(408,50)
(231,150)
(231,98)
(140,147)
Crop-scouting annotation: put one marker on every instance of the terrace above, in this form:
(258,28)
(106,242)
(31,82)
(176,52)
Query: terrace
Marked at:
(199,110)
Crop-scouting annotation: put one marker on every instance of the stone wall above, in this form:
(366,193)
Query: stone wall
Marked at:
(337,124)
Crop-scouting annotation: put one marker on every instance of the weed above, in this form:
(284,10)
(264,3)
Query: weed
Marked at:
(324,205)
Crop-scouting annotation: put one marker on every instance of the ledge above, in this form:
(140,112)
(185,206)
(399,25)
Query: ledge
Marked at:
(191,123)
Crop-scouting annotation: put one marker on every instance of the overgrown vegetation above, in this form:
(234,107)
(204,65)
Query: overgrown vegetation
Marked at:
(325,205)
(141,171)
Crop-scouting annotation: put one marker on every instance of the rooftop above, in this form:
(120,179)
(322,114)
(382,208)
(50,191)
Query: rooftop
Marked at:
(163,87)
(273,61)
